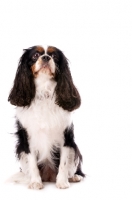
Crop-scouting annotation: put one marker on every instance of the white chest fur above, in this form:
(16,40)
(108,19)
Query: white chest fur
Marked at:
(44,121)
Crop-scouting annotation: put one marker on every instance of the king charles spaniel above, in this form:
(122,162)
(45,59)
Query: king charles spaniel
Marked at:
(45,96)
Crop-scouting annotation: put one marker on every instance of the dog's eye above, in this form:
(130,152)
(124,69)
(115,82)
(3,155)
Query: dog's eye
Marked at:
(35,56)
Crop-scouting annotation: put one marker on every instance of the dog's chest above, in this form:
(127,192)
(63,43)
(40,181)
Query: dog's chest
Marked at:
(45,123)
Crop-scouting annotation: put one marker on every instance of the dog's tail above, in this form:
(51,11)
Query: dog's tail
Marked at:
(19,177)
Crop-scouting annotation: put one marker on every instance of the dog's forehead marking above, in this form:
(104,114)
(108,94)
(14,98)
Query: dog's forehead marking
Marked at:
(51,49)
(42,49)
(45,48)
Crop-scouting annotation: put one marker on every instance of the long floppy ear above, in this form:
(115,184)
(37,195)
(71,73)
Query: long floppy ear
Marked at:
(23,90)
(67,95)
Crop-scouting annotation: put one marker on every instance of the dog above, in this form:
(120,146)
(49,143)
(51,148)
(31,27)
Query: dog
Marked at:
(45,96)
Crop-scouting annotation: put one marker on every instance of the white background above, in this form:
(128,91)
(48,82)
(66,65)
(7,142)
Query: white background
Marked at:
(96,37)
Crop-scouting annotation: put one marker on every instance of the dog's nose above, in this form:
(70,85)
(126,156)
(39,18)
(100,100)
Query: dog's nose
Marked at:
(45,58)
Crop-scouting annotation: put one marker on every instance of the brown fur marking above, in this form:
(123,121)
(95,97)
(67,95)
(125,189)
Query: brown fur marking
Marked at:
(47,174)
(40,49)
(51,49)
(33,71)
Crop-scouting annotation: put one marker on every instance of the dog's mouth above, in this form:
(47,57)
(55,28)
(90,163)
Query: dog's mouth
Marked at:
(45,65)
(44,68)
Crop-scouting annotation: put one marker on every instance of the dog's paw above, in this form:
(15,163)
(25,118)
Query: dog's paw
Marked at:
(76,178)
(62,184)
(36,185)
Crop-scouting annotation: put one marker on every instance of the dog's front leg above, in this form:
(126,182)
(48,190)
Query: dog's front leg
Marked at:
(33,171)
(62,177)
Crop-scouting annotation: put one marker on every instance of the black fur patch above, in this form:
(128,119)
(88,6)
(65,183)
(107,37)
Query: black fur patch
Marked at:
(55,155)
(79,170)
(23,91)
(22,143)
(69,142)
(69,137)
(67,95)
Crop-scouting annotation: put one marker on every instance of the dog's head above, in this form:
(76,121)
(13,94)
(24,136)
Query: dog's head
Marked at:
(48,63)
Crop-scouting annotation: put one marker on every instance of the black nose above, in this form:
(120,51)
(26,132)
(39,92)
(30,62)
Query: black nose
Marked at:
(45,58)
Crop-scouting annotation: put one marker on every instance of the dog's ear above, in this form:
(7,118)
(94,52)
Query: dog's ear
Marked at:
(67,95)
(23,90)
